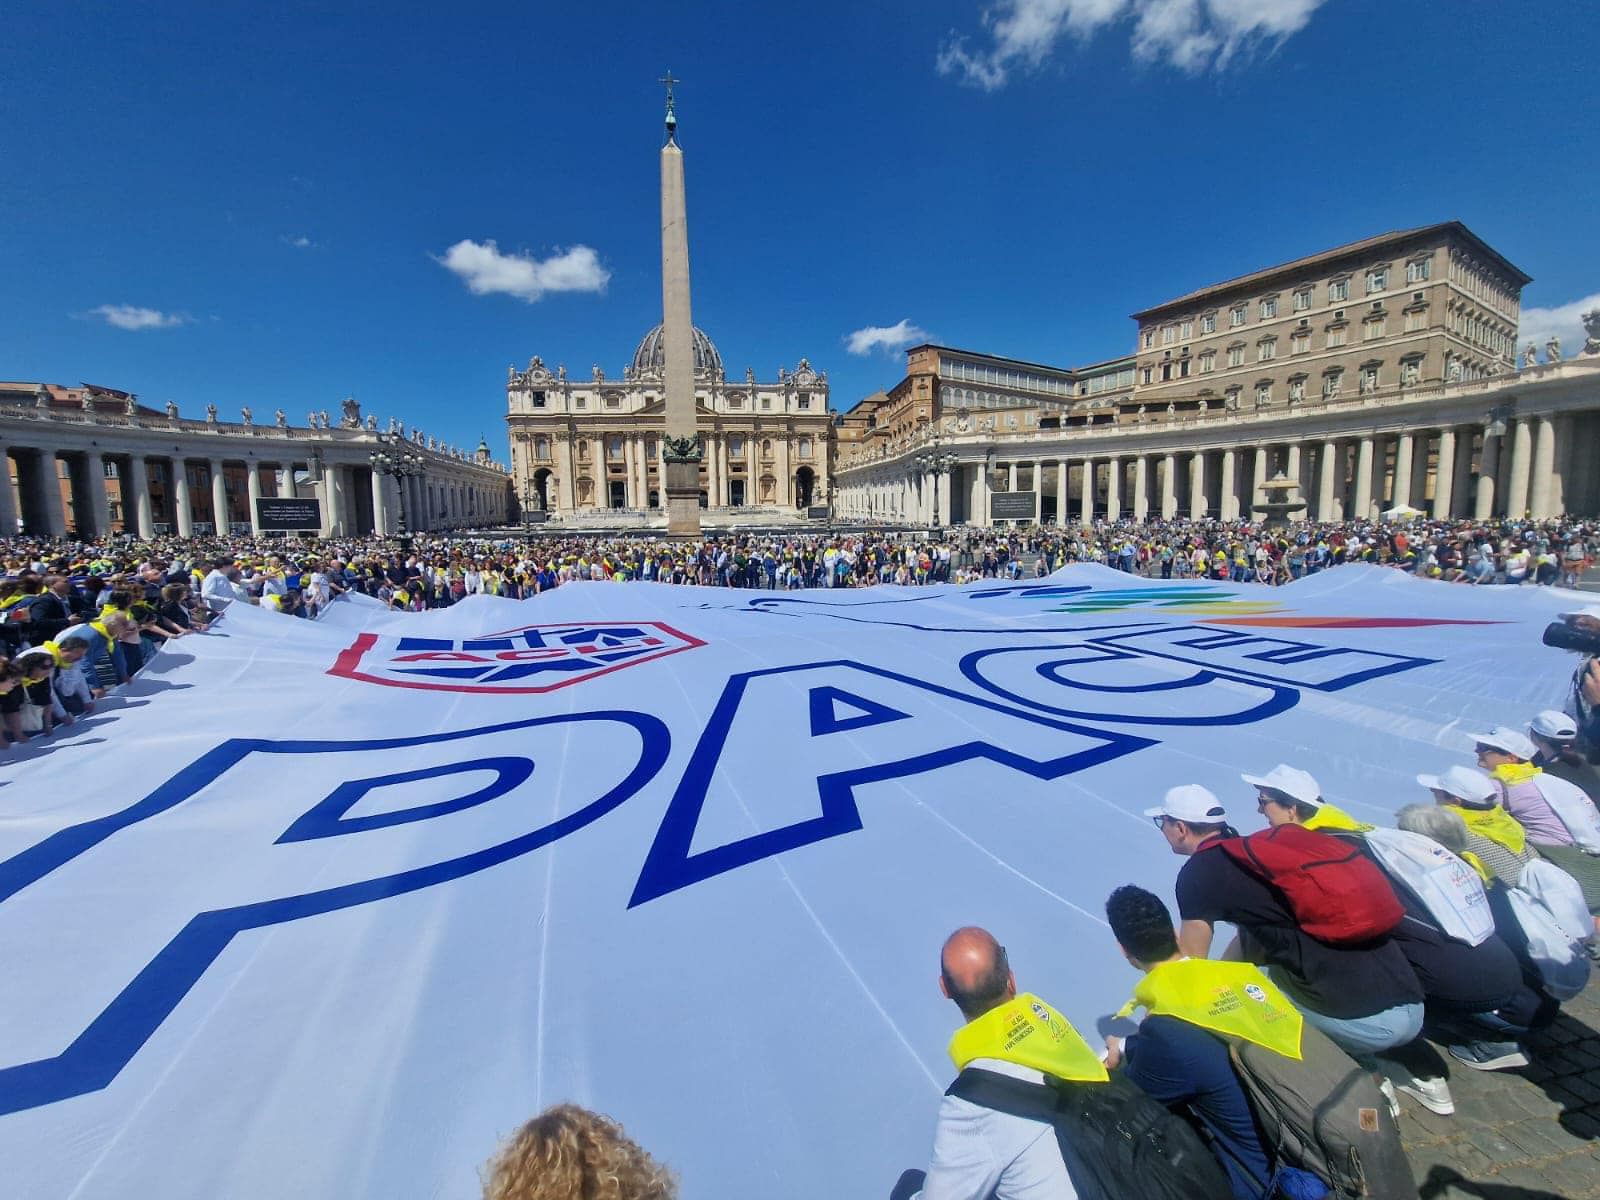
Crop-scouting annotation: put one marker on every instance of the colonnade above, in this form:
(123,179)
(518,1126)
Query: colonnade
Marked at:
(1514,459)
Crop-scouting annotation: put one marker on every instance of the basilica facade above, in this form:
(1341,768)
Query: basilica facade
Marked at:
(592,447)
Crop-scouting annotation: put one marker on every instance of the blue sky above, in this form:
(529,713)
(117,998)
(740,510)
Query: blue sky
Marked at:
(257,205)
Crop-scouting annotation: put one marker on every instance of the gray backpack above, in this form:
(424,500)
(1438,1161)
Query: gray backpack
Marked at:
(1325,1114)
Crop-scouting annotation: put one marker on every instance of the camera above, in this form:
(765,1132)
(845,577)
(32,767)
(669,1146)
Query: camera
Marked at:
(1567,637)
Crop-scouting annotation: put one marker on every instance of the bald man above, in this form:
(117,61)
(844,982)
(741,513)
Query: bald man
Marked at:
(980,1152)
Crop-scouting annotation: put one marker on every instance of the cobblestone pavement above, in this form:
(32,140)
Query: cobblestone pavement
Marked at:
(1531,1134)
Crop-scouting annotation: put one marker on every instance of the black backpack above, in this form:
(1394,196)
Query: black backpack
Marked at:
(1117,1143)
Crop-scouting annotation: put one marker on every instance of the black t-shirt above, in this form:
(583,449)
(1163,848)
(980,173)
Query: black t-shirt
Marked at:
(1335,981)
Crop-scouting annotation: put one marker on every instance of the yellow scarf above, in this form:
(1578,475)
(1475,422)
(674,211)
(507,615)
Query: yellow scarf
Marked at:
(1511,774)
(1027,1031)
(1330,817)
(1234,999)
(1497,825)
(1473,861)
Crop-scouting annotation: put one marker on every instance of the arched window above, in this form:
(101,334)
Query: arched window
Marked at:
(541,447)
(583,450)
(805,447)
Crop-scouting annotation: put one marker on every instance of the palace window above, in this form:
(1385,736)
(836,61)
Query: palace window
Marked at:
(1369,378)
(1338,289)
(1377,279)
(1335,336)
(536,399)
(1149,338)
(1373,328)
(1236,355)
(1411,370)
(1266,349)
(1269,307)
(1145,375)
(1208,322)
(1263,394)
(1332,381)
(1419,270)
(1188,329)
(1302,299)
(802,401)
(1416,319)
(1169,334)
(614,447)
(1208,362)
(1236,315)
(1297,389)
(736,446)
(1300,342)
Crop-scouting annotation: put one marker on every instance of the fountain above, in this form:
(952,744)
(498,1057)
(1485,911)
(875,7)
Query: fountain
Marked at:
(1279,502)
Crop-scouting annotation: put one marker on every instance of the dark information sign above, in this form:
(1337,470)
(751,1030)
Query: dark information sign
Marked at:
(817,512)
(278,513)
(1012,506)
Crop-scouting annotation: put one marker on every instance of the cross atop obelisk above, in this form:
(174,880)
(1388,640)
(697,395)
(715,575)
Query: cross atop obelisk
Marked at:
(682,444)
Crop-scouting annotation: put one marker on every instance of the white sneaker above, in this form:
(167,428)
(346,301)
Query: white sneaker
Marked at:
(1432,1094)
(1387,1089)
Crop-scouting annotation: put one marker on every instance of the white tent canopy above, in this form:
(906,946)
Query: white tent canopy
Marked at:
(328,909)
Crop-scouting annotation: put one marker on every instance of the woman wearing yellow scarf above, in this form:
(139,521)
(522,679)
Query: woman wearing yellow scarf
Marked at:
(1496,844)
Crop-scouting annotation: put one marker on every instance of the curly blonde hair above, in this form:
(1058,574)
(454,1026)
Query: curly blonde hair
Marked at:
(570,1153)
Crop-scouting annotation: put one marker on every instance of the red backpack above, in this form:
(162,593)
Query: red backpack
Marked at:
(1337,895)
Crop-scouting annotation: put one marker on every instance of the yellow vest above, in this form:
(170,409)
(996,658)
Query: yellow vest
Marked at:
(1229,998)
(1027,1031)
(1331,817)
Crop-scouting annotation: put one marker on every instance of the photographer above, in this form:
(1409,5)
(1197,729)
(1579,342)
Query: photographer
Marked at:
(1580,632)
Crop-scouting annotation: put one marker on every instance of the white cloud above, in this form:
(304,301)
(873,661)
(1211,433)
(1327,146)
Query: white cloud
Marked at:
(486,271)
(888,338)
(299,241)
(1564,321)
(128,316)
(1192,35)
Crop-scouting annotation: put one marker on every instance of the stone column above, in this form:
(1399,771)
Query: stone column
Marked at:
(183,512)
(8,499)
(1559,493)
(1362,508)
(94,465)
(1062,475)
(1461,487)
(1444,474)
(985,490)
(253,493)
(1038,492)
(1291,464)
(1325,461)
(1488,468)
(1197,485)
(380,501)
(1114,489)
(219,497)
(1258,476)
(1544,469)
(137,514)
(1228,488)
(1011,484)
(1169,490)
(1401,494)
(1521,463)
(1419,468)
(1086,514)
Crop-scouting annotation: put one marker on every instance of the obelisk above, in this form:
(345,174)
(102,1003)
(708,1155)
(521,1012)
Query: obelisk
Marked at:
(682,446)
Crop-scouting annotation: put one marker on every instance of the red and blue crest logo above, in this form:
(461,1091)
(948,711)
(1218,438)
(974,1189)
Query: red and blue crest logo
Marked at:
(529,659)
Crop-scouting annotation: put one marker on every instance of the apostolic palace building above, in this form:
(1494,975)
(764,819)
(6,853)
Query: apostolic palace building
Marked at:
(1376,376)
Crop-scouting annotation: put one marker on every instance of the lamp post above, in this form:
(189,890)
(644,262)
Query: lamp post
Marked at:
(396,459)
(936,462)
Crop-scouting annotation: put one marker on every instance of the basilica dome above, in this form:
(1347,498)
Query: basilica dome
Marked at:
(650,358)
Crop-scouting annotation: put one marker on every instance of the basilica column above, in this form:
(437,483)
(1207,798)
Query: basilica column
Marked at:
(380,500)
(219,497)
(1086,512)
(985,491)
(1062,474)
(1516,505)
(1114,489)
(95,485)
(1258,476)
(1444,474)
(47,494)
(253,493)
(1420,451)
(1197,485)
(1560,493)
(1011,484)
(1461,489)
(1544,467)
(1362,508)
(1038,492)
(182,513)
(1403,447)
(1488,468)
(8,499)
(1228,493)
(1325,510)
(1141,487)
(1169,491)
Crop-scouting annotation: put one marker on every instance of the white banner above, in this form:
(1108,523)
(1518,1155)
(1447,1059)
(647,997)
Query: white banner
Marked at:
(328,909)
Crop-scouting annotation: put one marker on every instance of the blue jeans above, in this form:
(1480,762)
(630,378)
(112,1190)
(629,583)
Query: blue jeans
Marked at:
(1363,1037)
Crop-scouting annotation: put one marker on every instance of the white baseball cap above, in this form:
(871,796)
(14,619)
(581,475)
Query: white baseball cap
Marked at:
(1505,739)
(1556,726)
(1291,781)
(1465,784)
(1191,803)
